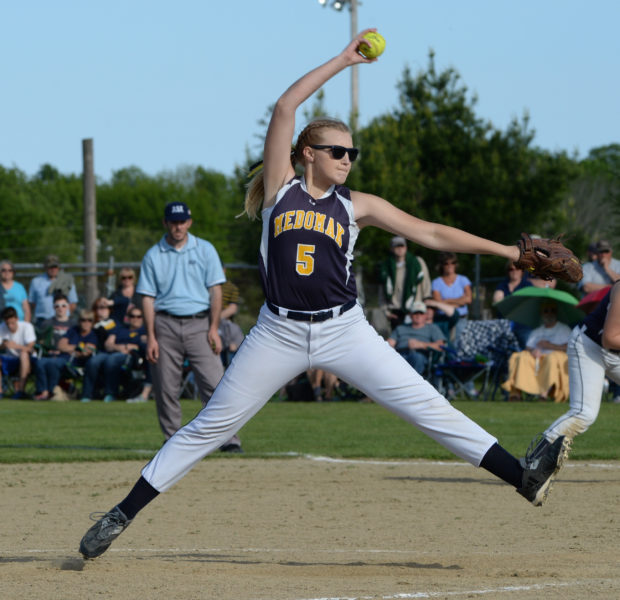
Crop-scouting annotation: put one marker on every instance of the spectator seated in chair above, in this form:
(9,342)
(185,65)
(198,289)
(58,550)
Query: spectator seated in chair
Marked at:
(17,339)
(103,326)
(78,346)
(51,360)
(415,341)
(51,330)
(542,368)
(125,352)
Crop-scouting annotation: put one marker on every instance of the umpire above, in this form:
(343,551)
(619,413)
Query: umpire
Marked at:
(180,281)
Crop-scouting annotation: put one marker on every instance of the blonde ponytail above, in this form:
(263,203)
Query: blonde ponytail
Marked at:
(254,195)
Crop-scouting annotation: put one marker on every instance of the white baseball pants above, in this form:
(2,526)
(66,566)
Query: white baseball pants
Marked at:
(588,364)
(278,349)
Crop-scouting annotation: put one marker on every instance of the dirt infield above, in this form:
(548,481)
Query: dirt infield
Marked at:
(306,529)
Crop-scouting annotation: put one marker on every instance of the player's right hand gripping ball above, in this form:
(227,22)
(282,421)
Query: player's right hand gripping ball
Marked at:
(548,259)
(375,47)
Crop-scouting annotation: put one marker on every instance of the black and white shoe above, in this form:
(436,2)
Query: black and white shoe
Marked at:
(541,464)
(231,448)
(107,528)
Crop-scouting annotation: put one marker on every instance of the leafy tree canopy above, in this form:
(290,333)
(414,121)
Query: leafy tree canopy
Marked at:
(435,158)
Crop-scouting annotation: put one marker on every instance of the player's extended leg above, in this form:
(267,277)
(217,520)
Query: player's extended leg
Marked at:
(586,373)
(351,349)
(206,366)
(275,351)
(272,354)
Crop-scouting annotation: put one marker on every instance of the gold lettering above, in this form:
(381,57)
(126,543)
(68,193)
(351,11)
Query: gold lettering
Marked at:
(339,235)
(309,220)
(288,220)
(330,228)
(319,222)
(277,225)
(299,219)
(296,219)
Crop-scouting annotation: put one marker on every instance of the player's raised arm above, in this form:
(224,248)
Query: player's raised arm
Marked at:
(277,153)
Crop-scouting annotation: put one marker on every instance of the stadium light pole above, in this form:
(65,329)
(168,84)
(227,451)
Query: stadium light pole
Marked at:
(339,5)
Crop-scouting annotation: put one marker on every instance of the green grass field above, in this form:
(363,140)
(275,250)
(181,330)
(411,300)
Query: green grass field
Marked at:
(63,432)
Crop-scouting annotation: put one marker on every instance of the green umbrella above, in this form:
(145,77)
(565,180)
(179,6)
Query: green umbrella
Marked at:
(524,306)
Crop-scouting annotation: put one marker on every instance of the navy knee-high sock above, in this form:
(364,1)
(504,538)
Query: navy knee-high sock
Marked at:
(141,494)
(504,465)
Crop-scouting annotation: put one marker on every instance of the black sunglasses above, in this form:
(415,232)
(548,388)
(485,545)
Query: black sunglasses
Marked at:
(338,151)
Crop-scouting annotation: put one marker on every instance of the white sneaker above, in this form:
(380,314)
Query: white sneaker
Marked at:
(616,400)
(136,400)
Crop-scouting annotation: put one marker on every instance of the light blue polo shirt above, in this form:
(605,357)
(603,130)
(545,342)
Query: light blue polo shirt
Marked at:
(179,280)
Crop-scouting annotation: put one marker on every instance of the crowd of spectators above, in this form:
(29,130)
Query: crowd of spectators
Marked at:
(99,353)
(87,354)
(90,353)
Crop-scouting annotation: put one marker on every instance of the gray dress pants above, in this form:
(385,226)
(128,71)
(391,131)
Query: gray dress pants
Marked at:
(181,339)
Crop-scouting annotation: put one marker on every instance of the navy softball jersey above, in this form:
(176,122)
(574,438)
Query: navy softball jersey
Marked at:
(595,321)
(306,253)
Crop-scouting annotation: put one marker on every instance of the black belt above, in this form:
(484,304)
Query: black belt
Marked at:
(203,314)
(312,317)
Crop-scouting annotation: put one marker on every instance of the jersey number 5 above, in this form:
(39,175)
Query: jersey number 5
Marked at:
(305,260)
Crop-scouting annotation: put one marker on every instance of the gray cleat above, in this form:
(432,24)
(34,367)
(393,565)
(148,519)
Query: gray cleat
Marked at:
(107,528)
(542,462)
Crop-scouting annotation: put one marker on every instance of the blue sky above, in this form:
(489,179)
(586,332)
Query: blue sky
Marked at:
(163,84)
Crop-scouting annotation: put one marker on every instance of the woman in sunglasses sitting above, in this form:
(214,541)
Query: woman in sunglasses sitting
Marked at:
(75,349)
(311,317)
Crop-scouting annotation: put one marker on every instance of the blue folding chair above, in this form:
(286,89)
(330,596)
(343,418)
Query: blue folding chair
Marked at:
(480,356)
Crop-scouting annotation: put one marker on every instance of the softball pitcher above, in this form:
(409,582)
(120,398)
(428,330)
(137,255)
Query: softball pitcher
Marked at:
(311,318)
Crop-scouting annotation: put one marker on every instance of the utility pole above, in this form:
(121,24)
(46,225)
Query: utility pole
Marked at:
(90,221)
(339,5)
(355,111)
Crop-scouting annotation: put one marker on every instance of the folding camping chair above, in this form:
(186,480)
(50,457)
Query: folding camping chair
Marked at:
(480,356)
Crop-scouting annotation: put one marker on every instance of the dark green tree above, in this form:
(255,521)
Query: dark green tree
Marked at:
(40,215)
(435,158)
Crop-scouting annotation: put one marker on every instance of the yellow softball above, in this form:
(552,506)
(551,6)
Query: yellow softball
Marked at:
(375,46)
